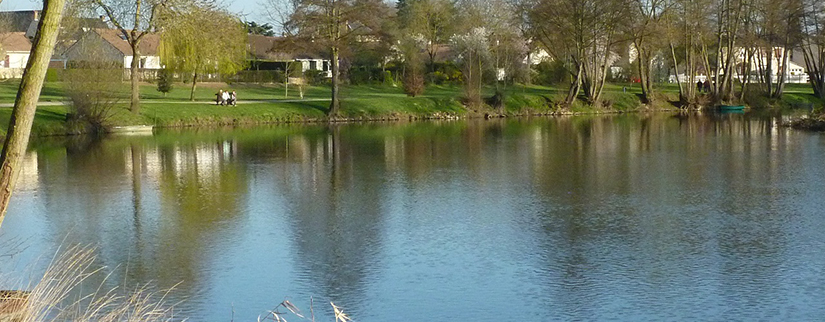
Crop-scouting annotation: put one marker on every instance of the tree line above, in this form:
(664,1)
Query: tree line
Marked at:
(743,47)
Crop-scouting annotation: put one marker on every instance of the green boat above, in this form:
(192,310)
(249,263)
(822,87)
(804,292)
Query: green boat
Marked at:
(731,107)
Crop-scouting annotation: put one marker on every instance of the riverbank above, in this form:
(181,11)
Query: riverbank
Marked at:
(815,122)
(271,104)
(268,104)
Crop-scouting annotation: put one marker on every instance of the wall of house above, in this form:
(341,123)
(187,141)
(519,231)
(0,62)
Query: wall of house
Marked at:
(794,73)
(150,62)
(317,64)
(92,48)
(13,64)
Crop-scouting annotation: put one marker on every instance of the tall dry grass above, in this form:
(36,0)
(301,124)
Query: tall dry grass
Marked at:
(280,316)
(58,296)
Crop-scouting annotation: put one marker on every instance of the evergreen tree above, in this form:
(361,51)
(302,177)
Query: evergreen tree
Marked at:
(164,81)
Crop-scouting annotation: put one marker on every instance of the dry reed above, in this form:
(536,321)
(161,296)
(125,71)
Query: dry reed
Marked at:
(280,316)
(54,297)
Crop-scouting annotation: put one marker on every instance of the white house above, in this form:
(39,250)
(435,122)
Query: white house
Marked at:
(265,54)
(794,72)
(15,51)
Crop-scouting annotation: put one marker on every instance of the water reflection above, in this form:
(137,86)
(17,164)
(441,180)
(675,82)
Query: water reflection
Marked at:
(629,217)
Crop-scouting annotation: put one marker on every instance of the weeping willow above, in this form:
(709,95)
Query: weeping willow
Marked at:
(202,40)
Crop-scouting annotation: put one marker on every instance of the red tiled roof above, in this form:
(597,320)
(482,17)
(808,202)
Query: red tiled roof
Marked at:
(263,48)
(15,41)
(148,44)
(275,49)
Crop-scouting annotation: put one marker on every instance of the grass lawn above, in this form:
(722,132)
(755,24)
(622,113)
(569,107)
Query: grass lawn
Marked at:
(268,104)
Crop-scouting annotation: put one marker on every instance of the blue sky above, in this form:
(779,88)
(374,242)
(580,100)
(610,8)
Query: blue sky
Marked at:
(248,9)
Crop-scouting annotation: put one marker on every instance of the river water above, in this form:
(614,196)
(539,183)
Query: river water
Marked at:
(623,218)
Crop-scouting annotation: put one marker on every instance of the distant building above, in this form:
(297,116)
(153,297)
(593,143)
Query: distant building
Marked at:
(19,21)
(110,46)
(794,70)
(26,21)
(265,54)
(15,50)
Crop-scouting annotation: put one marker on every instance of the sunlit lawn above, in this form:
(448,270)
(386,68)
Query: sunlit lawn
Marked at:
(272,103)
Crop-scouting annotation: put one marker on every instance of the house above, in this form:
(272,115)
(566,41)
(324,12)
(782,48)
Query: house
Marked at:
(15,50)
(266,53)
(109,46)
(19,21)
(26,21)
(794,71)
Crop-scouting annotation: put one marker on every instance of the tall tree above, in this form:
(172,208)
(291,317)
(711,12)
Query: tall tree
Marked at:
(134,19)
(689,31)
(203,39)
(779,27)
(431,20)
(473,54)
(582,33)
(813,44)
(255,29)
(646,28)
(332,25)
(25,104)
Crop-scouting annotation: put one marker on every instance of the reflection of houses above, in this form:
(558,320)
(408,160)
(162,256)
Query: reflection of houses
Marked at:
(15,49)
(27,179)
(264,55)
(98,46)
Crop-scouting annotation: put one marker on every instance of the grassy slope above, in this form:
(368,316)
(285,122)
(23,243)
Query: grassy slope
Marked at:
(267,103)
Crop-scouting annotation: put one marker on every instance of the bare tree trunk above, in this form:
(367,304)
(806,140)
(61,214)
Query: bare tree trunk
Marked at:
(706,62)
(645,75)
(769,72)
(335,104)
(575,86)
(194,84)
(26,103)
(676,70)
(134,77)
(747,74)
(780,86)
(690,73)
(602,79)
(814,53)
(814,65)
(717,83)
(286,80)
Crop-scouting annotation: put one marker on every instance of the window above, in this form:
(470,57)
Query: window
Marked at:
(313,64)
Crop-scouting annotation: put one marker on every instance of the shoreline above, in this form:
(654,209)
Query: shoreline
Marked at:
(406,118)
(265,105)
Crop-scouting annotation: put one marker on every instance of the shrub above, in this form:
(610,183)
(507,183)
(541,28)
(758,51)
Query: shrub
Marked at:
(550,73)
(446,72)
(413,83)
(164,81)
(359,76)
(52,75)
(388,80)
(93,93)
(315,77)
